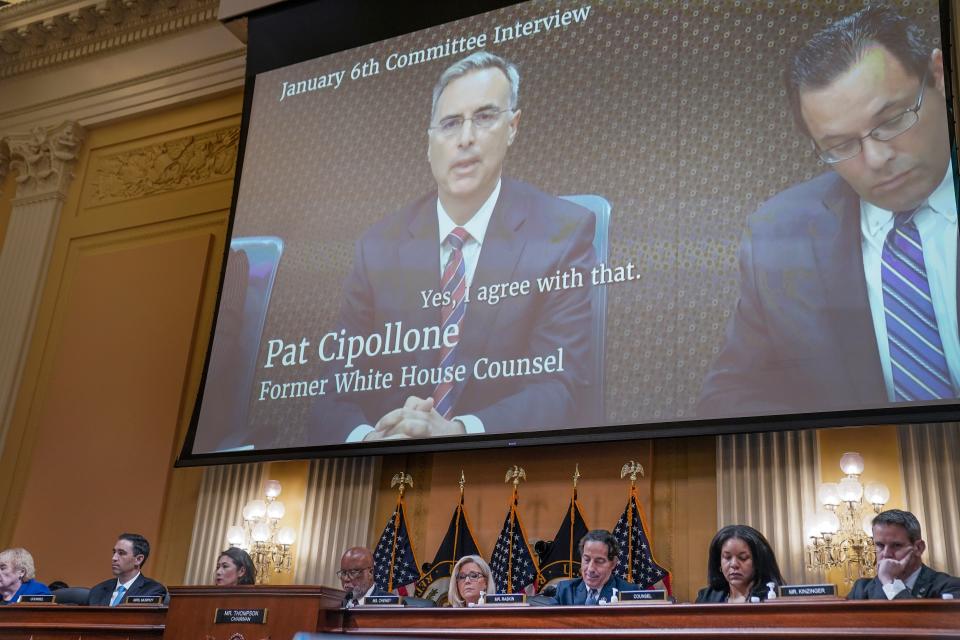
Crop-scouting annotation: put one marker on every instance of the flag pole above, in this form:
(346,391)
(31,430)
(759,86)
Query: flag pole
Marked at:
(514,474)
(573,508)
(401,479)
(633,469)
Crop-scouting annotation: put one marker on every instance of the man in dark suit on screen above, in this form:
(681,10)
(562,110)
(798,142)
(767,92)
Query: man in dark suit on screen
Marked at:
(129,554)
(599,555)
(516,360)
(901,574)
(848,282)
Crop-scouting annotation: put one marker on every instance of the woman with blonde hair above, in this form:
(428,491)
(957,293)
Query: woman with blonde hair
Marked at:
(470,576)
(17,576)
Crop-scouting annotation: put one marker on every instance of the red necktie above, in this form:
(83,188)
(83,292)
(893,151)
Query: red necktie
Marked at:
(453,283)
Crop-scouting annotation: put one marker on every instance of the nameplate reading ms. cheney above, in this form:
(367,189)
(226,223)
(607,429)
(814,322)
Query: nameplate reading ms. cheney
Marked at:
(241,616)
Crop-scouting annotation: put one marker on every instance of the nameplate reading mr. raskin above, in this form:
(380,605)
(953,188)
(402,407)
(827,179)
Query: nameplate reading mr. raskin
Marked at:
(143,600)
(646,595)
(505,598)
(36,599)
(807,590)
(241,616)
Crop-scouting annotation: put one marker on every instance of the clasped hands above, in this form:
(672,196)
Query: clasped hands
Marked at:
(417,418)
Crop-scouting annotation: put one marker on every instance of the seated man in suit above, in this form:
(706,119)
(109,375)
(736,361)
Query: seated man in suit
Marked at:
(848,282)
(129,554)
(356,576)
(512,362)
(599,555)
(901,573)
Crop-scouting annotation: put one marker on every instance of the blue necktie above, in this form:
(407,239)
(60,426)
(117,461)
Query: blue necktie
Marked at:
(593,596)
(119,596)
(917,361)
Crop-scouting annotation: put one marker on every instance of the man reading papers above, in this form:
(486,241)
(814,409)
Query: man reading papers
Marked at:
(848,282)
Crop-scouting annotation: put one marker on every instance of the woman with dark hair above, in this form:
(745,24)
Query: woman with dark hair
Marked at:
(740,565)
(234,567)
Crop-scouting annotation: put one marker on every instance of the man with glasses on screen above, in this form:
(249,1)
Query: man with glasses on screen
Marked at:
(427,264)
(848,282)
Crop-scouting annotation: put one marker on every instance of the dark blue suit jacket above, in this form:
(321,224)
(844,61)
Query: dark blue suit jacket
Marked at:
(143,586)
(930,584)
(575,591)
(531,234)
(802,337)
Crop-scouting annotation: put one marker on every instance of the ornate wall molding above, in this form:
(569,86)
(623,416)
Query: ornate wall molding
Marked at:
(167,166)
(43,159)
(43,33)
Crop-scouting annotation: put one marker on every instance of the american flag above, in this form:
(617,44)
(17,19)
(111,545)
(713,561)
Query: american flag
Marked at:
(395,566)
(514,569)
(637,564)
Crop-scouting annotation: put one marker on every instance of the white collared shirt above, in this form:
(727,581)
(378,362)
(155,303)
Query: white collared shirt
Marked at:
(359,600)
(126,587)
(936,221)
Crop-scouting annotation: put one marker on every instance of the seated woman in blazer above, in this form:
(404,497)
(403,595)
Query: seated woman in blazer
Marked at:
(740,565)
(470,576)
(18,576)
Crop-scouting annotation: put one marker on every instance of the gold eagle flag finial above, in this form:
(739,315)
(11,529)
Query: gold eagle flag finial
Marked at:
(403,479)
(463,481)
(576,475)
(632,469)
(516,474)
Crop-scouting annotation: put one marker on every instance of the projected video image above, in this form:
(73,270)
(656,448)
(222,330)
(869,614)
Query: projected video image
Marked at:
(571,215)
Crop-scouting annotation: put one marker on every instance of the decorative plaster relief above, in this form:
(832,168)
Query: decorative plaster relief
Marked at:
(42,159)
(43,33)
(167,166)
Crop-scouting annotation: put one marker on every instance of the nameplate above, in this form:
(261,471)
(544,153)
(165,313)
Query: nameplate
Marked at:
(36,599)
(808,590)
(382,601)
(143,600)
(646,595)
(500,599)
(240,616)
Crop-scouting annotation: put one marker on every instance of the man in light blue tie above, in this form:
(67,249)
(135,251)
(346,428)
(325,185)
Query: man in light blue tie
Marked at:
(848,282)
(129,554)
(599,555)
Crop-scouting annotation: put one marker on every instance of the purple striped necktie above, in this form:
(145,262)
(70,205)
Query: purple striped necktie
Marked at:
(453,283)
(917,360)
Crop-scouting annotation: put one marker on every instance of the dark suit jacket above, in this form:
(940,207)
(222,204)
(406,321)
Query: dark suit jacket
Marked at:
(575,591)
(377,591)
(530,234)
(802,337)
(142,586)
(930,584)
(711,595)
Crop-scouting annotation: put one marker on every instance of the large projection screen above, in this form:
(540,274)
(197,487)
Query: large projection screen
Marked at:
(654,246)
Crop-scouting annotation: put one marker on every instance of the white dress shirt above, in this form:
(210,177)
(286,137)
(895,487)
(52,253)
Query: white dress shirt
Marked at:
(936,221)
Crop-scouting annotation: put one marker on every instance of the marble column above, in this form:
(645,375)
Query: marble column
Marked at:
(42,161)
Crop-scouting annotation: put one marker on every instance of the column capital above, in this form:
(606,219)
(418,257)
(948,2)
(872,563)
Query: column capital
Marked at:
(43,158)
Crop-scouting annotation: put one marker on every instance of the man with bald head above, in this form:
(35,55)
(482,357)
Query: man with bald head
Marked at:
(848,282)
(356,576)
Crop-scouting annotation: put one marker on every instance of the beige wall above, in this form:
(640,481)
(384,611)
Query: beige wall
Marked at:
(121,332)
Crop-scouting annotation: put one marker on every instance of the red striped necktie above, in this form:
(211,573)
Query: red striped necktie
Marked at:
(454,284)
